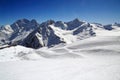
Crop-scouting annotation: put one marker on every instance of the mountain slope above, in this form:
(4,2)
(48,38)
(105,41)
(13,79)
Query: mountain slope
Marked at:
(101,45)
(77,57)
(50,33)
(42,36)
(98,58)
(5,33)
(22,28)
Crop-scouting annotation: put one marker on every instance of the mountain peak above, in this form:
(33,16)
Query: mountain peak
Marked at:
(76,20)
(46,23)
(49,33)
(22,21)
(50,21)
(33,21)
(74,24)
(61,25)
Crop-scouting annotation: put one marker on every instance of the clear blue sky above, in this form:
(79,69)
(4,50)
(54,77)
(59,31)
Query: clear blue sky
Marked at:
(102,11)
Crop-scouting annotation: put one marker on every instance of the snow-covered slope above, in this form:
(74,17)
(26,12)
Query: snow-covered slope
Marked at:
(94,58)
(99,68)
(105,43)
(15,33)
(42,36)
(50,33)
(22,28)
(5,33)
(74,56)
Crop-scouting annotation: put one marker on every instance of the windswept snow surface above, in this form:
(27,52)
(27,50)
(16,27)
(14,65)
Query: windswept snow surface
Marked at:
(104,68)
(94,58)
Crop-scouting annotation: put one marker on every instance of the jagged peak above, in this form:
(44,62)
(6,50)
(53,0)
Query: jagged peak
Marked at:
(60,22)
(74,24)
(33,21)
(22,21)
(50,21)
(76,19)
(46,23)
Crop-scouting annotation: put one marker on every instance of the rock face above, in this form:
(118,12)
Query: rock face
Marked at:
(22,28)
(34,35)
(24,24)
(111,26)
(33,40)
(46,35)
(86,28)
(15,33)
(61,25)
(74,24)
(108,27)
(42,36)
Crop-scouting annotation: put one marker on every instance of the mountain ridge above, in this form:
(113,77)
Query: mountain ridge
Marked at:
(31,34)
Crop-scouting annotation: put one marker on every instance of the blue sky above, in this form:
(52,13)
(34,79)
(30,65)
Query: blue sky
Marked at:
(102,11)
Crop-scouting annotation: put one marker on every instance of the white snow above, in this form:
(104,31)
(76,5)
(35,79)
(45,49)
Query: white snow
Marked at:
(39,38)
(66,35)
(7,29)
(95,58)
(94,68)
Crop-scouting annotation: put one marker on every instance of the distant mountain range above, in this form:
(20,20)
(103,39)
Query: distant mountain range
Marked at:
(34,35)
